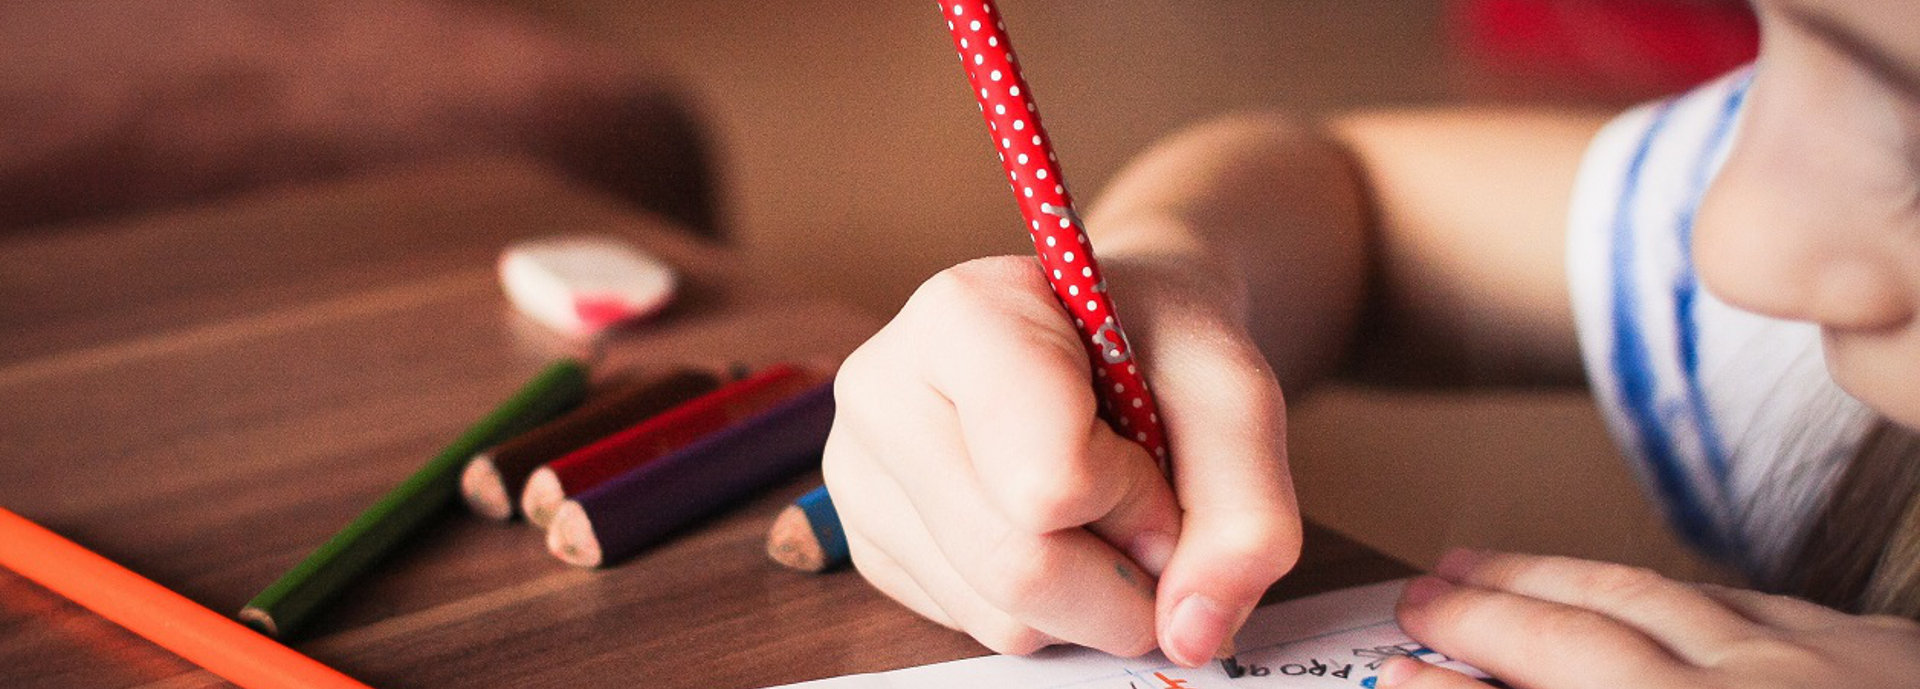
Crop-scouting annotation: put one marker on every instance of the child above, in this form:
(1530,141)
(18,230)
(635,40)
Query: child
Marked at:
(1744,271)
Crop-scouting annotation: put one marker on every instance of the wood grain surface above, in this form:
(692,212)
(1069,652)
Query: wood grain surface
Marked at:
(206,395)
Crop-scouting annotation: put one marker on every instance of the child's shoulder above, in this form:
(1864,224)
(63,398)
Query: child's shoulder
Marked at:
(1661,153)
(1635,196)
(1729,417)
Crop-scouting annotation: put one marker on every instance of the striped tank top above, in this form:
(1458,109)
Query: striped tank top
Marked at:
(1729,418)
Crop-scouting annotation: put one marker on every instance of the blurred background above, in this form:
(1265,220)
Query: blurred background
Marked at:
(834,145)
(850,134)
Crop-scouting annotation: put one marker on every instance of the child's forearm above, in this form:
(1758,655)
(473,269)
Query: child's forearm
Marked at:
(1262,216)
(1421,245)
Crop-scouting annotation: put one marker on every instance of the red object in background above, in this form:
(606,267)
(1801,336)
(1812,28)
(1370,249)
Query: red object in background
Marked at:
(1604,49)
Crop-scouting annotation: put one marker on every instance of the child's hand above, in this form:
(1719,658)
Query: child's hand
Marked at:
(979,488)
(1559,623)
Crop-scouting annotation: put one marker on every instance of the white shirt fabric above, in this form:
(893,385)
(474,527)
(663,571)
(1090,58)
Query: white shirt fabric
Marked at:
(1729,418)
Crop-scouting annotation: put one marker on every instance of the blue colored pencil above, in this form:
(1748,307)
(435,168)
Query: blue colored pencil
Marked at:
(807,535)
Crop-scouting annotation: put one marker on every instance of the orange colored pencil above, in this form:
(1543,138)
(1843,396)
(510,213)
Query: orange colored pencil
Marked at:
(208,639)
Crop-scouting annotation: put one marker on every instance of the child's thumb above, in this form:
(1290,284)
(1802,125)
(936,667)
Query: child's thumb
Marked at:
(1240,529)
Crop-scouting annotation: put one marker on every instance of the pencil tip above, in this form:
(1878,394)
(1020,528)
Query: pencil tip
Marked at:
(1231,665)
(541,496)
(792,544)
(260,620)
(570,536)
(483,490)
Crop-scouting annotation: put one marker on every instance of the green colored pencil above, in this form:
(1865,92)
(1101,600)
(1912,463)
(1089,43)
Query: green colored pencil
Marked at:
(286,605)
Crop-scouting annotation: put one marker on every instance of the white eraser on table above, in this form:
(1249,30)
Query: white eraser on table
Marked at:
(583,285)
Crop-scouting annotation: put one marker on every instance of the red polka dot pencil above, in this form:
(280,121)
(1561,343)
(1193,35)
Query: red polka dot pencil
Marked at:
(1059,239)
(1033,172)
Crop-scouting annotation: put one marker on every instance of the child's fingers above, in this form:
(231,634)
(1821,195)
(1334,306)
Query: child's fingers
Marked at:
(945,599)
(1407,673)
(1688,622)
(1019,382)
(888,577)
(894,550)
(1535,643)
(1241,526)
(864,497)
(1032,432)
(996,343)
(1145,520)
(1780,612)
(966,555)
(971,360)
(1067,583)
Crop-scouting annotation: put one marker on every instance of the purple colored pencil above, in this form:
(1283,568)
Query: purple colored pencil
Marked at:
(625,515)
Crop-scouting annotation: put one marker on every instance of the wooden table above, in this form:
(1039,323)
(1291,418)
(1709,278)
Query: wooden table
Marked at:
(206,395)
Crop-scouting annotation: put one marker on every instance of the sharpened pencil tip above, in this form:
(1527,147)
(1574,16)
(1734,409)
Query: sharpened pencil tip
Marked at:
(484,491)
(792,544)
(259,620)
(570,537)
(1231,665)
(541,496)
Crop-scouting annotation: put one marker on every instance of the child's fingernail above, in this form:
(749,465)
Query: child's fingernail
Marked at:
(1423,590)
(1199,626)
(1398,669)
(1152,550)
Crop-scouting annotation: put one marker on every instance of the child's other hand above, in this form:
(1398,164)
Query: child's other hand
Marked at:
(1559,623)
(979,487)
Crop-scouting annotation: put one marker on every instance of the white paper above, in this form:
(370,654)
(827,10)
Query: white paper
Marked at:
(1336,639)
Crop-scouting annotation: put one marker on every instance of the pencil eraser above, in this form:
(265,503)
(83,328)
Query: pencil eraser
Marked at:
(583,285)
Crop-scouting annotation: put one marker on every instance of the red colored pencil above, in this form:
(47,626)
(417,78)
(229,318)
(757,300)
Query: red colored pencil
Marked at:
(494,478)
(1059,239)
(666,432)
(617,519)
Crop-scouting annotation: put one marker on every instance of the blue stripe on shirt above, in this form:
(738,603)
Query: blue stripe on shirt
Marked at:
(1686,287)
(1633,364)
